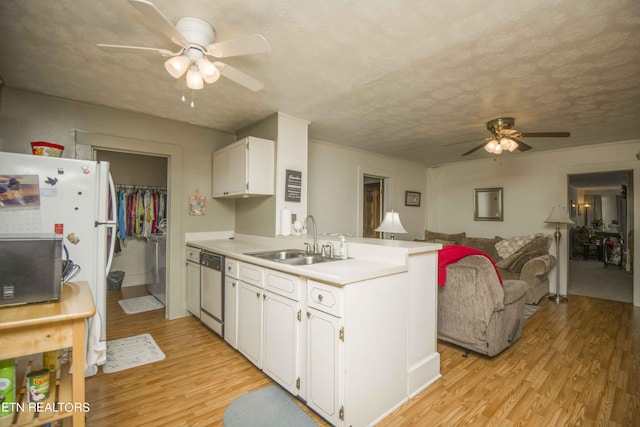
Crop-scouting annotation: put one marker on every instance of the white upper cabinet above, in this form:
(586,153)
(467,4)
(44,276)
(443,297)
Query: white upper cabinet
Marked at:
(244,168)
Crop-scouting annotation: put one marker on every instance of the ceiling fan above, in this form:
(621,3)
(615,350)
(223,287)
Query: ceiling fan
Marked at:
(506,138)
(195,40)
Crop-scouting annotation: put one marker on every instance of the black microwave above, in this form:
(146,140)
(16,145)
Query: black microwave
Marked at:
(30,268)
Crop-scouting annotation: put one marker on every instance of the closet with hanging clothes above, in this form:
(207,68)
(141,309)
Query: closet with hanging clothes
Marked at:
(141,209)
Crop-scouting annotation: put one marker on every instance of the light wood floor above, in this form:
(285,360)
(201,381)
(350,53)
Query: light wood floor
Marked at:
(576,364)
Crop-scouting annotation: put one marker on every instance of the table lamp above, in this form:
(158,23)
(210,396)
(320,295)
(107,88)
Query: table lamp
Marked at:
(391,224)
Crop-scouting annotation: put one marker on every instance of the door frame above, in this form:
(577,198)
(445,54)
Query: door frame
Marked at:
(562,185)
(387,176)
(86,142)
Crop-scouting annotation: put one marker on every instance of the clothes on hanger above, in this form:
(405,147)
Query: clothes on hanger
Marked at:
(140,210)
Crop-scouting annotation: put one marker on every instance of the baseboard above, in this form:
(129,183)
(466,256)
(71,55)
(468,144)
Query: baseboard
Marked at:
(422,374)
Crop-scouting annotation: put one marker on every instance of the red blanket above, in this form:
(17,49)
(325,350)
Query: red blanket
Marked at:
(453,253)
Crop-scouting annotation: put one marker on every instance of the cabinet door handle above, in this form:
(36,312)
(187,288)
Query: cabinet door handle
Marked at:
(320,297)
(258,294)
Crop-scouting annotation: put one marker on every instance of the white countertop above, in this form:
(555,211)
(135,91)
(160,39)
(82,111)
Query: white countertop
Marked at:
(366,263)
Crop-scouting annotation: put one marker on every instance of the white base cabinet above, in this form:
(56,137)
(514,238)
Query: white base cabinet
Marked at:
(193,280)
(231,311)
(231,302)
(354,353)
(324,363)
(357,353)
(282,318)
(250,322)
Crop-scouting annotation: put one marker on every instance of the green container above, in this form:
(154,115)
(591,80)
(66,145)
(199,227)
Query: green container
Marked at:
(7,387)
(114,280)
(38,385)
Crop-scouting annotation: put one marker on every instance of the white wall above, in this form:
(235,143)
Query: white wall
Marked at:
(533,184)
(336,186)
(292,154)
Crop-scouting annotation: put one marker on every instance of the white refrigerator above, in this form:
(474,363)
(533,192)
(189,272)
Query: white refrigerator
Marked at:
(75,198)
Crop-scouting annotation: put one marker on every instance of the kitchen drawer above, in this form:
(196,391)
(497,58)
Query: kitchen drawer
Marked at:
(283,284)
(231,268)
(251,274)
(324,297)
(193,254)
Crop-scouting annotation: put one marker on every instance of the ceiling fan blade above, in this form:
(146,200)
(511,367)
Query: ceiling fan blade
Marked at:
(521,145)
(475,149)
(158,21)
(544,135)
(244,46)
(239,77)
(467,141)
(120,48)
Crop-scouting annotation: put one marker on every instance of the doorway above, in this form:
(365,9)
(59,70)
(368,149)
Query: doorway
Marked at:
(140,180)
(88,142)
(372,205)
(600,242)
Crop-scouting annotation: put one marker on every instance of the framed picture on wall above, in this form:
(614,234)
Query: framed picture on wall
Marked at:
(411,198)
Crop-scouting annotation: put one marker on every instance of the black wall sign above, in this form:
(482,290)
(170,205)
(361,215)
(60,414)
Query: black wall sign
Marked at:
(293,186)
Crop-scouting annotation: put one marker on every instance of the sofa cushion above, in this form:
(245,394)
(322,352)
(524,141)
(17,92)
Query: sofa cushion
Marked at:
(444,242)
(484,244)
(535,248)
(510,246)
(431,236)
(516,261)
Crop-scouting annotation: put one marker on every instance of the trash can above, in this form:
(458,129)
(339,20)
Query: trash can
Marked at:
(114,280)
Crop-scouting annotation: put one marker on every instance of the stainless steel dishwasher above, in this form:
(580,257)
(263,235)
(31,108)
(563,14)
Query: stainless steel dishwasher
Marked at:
(212,291)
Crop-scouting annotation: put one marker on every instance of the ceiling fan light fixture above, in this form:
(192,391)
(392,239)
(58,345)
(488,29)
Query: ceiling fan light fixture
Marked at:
(513,145)
(209,72)
(505,143)
(177,65)
(491,145)
(194,79)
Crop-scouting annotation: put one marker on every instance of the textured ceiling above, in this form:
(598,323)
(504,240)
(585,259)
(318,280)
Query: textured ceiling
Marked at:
(401,78)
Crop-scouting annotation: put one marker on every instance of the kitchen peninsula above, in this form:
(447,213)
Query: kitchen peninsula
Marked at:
(353,339)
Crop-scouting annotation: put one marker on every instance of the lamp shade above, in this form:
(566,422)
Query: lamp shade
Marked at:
(558,215)
(209,72)
(391,223)
(194,79)
(177,65)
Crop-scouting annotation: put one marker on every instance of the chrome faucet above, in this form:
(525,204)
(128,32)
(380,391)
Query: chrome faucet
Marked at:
(327,246)
(315,232)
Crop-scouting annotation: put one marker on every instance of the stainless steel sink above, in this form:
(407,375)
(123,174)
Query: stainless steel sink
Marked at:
(307,260)
(292,256)
(279,254)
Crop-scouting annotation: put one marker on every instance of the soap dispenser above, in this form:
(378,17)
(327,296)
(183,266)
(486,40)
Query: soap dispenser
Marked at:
(343,248)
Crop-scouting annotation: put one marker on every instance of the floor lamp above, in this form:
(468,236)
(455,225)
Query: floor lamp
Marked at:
(558,216)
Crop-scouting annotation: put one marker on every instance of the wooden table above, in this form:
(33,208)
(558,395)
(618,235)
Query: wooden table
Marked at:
(592,250)
(35,328)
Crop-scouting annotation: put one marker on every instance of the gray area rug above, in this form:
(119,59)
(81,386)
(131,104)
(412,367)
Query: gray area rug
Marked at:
(140,304)
(130,352)
(529,310)
(268,407)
